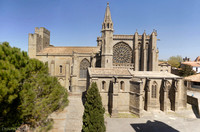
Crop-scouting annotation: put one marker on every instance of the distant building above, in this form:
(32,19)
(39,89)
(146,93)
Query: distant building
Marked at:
(194,64)
(193,82)
(164,67)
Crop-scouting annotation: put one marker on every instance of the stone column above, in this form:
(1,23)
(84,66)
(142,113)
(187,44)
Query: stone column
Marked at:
(148,94)
(176,94)
(115,98)
(67,76)
(154,51)
(141,106)
(165,90)
(93,61)
(74,75)
(144,61)
(136,52)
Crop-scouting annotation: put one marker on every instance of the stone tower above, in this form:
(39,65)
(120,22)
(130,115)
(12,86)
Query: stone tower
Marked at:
(107,40)
(38,41)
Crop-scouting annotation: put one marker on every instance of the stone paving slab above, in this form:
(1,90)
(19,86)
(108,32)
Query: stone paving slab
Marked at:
(183,121)
(70,119)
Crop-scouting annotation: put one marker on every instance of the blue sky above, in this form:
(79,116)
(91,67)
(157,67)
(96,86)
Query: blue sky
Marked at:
(78,22)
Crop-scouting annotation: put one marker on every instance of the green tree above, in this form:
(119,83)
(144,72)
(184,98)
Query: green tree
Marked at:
(27,93)
(93,117)
(175,61)
(186,70)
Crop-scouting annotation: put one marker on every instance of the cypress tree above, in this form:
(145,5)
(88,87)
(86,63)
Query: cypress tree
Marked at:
(93,117)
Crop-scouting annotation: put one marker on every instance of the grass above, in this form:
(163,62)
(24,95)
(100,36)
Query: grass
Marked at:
(123,115)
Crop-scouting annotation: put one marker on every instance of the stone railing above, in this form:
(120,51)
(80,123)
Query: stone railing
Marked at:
(124,65)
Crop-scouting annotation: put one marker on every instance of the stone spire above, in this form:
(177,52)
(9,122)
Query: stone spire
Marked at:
(107,40)
(107,23)
(107,17)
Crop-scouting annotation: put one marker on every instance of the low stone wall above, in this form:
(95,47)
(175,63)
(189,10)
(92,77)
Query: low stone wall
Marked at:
(194,89)
(193,101)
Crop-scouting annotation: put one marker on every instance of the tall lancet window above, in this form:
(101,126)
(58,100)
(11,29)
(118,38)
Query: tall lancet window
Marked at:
(61,69)
(83,68)
(103,85)
(122,86)
(108,25)
(154,90)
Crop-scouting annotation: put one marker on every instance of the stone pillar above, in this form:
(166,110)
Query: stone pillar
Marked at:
(115,98)
(148,94)
(74,75)
(165,90)
(176,95)
(141,106)
(136,52)
(144,61)
(93,61)
(154,63)
(67,76)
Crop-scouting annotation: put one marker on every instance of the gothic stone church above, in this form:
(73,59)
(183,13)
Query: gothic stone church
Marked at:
(125,68)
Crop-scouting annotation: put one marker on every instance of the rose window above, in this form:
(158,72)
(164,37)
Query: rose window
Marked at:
(122,53)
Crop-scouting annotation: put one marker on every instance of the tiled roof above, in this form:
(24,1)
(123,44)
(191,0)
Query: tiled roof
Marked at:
(163,63)
(193,78)
(153,74)
(68,50)
(108,72)
(191,63)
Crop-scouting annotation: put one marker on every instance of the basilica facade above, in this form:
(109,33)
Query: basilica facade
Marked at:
(125,68)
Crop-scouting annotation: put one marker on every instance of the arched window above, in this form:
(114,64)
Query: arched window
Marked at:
(122,53)
(60,68)
(83,68)
(153,90)
(108,25)
(122,85)
(103,85)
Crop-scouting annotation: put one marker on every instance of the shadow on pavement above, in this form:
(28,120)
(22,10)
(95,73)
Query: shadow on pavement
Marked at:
(155,126)
(195,110)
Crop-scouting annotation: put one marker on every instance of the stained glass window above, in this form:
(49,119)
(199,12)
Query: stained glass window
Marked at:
(154,89)
(83,68)
(122,53)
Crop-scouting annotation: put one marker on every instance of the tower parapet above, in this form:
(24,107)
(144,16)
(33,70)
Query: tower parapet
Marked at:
(38,41)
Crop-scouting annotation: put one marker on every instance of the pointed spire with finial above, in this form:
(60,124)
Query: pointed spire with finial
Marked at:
(144,32)
(107,23)
(107,17)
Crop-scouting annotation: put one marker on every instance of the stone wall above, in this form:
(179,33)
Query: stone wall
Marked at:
(194,101)
(134,106)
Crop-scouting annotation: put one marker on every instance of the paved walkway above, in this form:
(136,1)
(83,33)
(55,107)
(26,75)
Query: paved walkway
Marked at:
(183,121)
(194,94)
(70,119)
